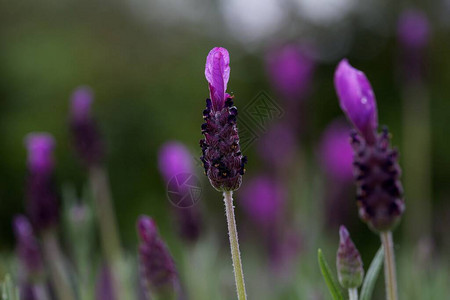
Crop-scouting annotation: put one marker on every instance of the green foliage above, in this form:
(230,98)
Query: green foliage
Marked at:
(331,282)
(372,275)
(8,290)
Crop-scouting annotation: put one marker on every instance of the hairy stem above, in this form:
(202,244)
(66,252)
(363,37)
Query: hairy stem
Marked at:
(389,265)
(234,244)
(55,260)
(353,294)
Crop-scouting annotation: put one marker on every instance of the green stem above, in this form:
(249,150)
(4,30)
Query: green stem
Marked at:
(389,265)
(234,244)
(353,294)
(58,276)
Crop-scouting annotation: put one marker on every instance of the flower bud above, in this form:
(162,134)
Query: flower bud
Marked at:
(357,99)
(348,261)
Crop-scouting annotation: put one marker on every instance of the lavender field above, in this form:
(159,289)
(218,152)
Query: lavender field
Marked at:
(198,150)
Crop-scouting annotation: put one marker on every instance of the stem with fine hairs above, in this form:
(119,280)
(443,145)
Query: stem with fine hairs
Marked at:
(234,244)
(389,265)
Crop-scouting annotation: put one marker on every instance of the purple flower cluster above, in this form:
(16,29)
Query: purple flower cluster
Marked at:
(376,170)
(157,266)
(222,157)
(42,200)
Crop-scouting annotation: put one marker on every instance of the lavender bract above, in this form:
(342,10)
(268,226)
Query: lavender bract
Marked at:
(222,157)
(157,267)
(42,201)
(290,71)
(87,140)
(357,99)
(348,261)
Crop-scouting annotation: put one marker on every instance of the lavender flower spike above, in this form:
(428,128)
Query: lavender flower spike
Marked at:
(413,29)
(348,261)
(42,201)
(173,159)
(84,130)
(222,158)
(357,99)
(158,270)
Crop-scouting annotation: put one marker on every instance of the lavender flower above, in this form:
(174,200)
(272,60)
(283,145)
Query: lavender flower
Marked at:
(348,261)
(290,71)
(174,159)
(157,266)
(277,147)
(27,248)
(377,173)
(84,130)
(263,200)
(336,154)
(104,288)
(42,201)
(413,29)
(222,158)
(357,99)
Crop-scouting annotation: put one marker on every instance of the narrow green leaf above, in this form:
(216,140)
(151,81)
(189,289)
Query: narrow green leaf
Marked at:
(372,275)
(332,284)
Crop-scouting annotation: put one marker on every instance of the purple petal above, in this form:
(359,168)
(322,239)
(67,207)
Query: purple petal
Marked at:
(173,159)
(40,152)
(357,99)
(81,103)
(147,229)
(217,73)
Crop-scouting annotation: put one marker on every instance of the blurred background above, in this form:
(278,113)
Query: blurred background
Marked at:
(144,61)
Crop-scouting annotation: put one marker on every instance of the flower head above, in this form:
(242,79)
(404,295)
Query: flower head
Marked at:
(290,71)
(217,73)
(336,154)
(413,29)
(222,157)
(157,266)
(42,201)
(263,199)
(173,159)
(27,249)
(348,261)
(86,137)
(357,99)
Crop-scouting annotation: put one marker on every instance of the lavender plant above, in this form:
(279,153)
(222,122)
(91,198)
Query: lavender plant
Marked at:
(222,157)
(376,170)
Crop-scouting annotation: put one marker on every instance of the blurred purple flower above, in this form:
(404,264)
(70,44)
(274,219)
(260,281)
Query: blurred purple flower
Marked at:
(158,270)
(413,29)
(86,137)
(42,201)
(221,154)
(348,261)
(104,287)
(27,247)
(217,73)
(173,159)
(277,147)
(336,154)
(263,200)
(290,71)
(357,99)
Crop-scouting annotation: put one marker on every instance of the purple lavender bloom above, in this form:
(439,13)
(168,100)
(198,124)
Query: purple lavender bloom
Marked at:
(42,201)
(357,99)
(27,247)
(413,29)
(290,71)
(222,158)
(158,270)
(263,200)
(277,147)
(377,174)
(104,288)
(348,261)
(84,130)
(174,159)
(336,154)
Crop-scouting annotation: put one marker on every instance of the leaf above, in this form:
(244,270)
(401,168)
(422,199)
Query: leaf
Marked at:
(7,289)
(372,275)
(332,284)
